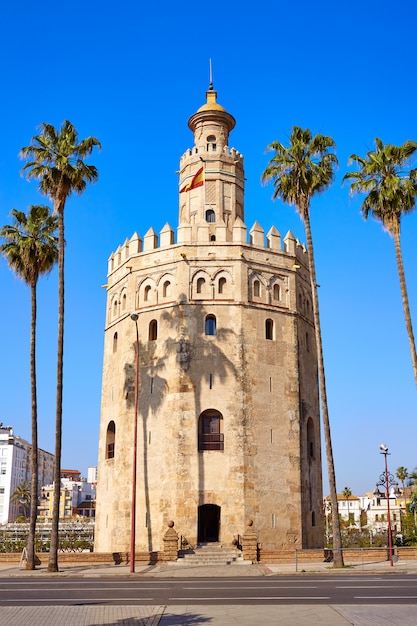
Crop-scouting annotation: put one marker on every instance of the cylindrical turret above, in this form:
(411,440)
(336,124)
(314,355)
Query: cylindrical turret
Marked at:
(211,174)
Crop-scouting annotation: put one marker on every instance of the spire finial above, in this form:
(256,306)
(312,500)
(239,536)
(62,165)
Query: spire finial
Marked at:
(210,76)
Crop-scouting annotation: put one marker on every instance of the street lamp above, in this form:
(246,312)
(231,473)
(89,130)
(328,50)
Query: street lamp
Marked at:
(388,480)
(134,317)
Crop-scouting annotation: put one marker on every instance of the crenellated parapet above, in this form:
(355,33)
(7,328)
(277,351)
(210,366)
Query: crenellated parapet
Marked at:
(232,152)
(257,239)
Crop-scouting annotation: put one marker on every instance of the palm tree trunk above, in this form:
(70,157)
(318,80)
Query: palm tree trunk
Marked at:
(404,295)
(53,550)
(337,538)
(30,564)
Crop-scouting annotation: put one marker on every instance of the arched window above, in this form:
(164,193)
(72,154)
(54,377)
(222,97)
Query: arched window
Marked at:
(166,289)
(222,283)
(210,427)
(110,440)
(210,326)
(211,143)
(210,215)
(153,330)
(310,438)
(276,292)
(269,329)
(115,307)
(256,288)
(147,293)
(124,302)
(212,237)
(200,284)
(115,342)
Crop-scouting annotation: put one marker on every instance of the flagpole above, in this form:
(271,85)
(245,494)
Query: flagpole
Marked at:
(204,185)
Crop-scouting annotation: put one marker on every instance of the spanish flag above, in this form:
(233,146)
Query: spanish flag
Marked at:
(196,181)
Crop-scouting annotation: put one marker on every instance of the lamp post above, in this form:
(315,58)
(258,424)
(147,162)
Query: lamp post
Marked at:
(134,317)
(387,479)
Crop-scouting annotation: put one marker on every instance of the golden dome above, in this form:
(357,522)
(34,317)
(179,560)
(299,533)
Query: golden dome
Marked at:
(211,104)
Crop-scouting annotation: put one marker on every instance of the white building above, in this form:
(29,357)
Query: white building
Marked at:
(92,475)
(349,510)
(374,503)
(78,496)
(15,468)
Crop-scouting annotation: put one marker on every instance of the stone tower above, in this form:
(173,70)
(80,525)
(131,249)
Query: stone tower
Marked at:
(228,415)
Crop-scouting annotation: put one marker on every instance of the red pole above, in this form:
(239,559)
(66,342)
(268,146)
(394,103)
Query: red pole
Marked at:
(134,317)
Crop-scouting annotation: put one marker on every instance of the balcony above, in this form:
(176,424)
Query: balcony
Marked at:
(211,441)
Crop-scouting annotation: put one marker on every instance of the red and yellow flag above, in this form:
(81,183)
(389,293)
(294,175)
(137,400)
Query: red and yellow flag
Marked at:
(196,181)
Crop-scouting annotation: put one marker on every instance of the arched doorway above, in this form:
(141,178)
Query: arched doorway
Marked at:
(208,523)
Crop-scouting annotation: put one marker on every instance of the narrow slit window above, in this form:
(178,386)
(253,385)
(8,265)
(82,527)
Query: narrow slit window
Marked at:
(210,326)
(210,216)
(153,330)
(110,440)
(269,329)
(166,289)
(200,284)
(256,288)
(211,143)
(222,284)
(276,292)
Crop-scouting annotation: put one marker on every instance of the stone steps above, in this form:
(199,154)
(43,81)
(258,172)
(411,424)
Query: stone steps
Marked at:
(211,554)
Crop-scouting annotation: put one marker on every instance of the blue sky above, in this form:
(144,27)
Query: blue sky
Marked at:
(131,73)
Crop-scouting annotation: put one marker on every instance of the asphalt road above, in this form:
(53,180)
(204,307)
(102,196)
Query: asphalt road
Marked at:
(314,589)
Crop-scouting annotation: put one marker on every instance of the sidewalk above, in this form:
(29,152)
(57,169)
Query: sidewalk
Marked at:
(219,615)
(180,569)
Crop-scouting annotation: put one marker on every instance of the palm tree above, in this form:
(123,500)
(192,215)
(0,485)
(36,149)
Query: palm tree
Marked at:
(31,249)
(412,478)
(300,171)
(402,474)
(392,191)
(22,495)
(347,493)
(56,159)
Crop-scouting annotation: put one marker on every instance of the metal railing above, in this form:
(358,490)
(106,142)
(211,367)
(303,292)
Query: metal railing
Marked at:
(73,537)
(210,441)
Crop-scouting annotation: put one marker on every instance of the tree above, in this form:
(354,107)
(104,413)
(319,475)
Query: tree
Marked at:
(299,172)
(31,249)
(392,191)
(22,495)
(347,493)
(402,474)
(412,478)
(56,159)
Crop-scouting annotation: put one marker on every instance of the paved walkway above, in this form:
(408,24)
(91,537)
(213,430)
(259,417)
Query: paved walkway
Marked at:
(221,615)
